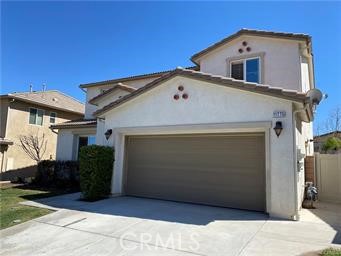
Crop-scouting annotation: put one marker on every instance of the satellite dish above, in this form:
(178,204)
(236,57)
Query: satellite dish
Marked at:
(315,96)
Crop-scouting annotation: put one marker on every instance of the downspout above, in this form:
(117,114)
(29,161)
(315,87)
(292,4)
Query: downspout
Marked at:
(296,217)
(53,130)
(84,90)
(307,52)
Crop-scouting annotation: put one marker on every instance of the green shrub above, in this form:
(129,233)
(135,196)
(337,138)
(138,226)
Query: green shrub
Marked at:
(331,252)
(59,174)
(96,166)
(332,143)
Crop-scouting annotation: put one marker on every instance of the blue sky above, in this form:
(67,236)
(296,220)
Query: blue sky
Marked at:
(64,44)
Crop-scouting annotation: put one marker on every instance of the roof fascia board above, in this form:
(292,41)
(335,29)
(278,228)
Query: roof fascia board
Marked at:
(44,105)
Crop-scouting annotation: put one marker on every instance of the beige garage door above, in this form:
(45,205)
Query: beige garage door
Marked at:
(221,169)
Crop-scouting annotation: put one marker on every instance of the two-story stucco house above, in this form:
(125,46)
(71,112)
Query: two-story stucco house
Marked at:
(206,134)
(32,113)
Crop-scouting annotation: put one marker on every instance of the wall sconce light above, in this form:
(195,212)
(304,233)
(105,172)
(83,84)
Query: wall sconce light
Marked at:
(278,128)
(108,133)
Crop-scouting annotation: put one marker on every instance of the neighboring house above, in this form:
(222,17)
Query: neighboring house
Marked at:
(205,134)
(321,139)
(32,113)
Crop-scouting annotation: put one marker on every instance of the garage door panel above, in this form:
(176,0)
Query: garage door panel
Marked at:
(225,170)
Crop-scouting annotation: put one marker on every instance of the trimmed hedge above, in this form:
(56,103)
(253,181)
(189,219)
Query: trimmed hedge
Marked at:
(60,174)
(96,167)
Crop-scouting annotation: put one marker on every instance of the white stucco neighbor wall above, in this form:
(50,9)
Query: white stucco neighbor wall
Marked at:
(300,155)
(67,143)
(304,147)
(305,74)
(140,82)
(92,92)
(212,104)
(112,97)
(281,60)
(89,108)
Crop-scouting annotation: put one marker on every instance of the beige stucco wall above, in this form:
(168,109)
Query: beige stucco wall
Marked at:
(282,64)
(212,104)
(18,124)
(3,116)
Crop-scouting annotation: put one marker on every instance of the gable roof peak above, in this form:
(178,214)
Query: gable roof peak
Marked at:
(252,32)
(115,87)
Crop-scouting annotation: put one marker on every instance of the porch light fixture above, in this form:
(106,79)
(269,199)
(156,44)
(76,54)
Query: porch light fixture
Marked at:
(108,133)
(278,128)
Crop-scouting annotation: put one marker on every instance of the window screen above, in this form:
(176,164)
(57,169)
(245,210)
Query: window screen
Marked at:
(40,114)
(53,117)
(237,71)
(33,115)
(36,116)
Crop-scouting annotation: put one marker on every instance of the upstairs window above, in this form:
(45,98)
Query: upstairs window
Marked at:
(53,116)
(247,70)
(36,116)
(237,70)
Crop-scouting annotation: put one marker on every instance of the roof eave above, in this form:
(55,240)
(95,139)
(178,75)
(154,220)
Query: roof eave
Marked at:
(299,37)
(99,97)
(124,79)
(6,142)
(57,127)
(45,105)
(131,78)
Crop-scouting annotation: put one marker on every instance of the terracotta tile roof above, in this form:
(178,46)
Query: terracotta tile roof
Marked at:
(79,123)
(131,78)
(114,88)
(252,32)
(219,80)
(52,99)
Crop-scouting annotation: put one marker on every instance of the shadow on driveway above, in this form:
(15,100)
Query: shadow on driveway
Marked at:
(152,209)
(329,213)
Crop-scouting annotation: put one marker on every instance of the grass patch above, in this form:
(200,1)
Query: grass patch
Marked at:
(12,213)
(331,252)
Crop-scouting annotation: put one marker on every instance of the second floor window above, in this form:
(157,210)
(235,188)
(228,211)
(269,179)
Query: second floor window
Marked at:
(36,116)
(53,116)
(247,70)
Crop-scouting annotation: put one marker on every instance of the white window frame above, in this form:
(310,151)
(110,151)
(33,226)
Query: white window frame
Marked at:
(55,117)
(244,67)
(76,156)
(29,115)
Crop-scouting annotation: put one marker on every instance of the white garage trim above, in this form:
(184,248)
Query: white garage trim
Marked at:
(120,133)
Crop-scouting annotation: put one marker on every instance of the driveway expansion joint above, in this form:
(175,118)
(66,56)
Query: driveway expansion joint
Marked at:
(74,222)
(252,237)
(118,238)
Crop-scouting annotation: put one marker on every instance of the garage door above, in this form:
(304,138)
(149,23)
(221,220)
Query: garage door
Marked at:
(215,169)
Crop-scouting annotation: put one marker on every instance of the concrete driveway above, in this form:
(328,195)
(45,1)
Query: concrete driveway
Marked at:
(135,226)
